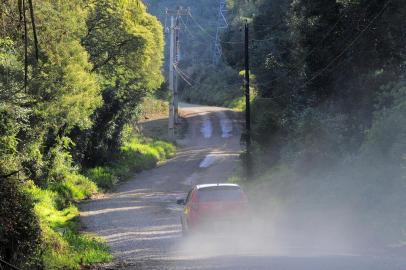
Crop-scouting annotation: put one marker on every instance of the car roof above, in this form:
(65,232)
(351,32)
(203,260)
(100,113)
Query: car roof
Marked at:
(216,185)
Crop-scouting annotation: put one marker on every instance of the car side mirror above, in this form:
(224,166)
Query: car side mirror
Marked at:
(180,201)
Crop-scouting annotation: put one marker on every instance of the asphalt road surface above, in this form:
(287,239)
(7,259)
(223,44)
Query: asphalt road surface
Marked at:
(141,221)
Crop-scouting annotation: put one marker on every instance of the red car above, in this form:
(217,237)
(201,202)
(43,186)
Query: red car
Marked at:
(211,205)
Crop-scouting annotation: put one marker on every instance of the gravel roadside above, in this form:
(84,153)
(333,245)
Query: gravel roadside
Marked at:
(140,220)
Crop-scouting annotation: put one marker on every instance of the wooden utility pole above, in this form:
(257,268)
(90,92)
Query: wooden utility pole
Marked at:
(247,105)
(171,122)
(177,58)
(174,52)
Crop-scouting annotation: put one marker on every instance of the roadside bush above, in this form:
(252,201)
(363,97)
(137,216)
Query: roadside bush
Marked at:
(63,246)
(64,177)
(70,250)
(43,222)
(88,249)
(19,227)
(75,187)
(236,103)
(103,177)
(80,186)
(165,150)
(136,155)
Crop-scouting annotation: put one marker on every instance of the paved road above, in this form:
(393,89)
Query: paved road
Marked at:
(140,220)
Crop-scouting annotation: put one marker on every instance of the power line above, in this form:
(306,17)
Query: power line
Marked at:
(210,35)
(196,83)
(182,75)
(200,26)
(187,28)
(319,73)
(8,265)
(349,45)
(337,57)
(324,38)
(184,79)
(301,62)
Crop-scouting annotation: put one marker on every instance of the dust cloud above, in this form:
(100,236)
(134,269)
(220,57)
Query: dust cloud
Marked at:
(310,216)
(262,235)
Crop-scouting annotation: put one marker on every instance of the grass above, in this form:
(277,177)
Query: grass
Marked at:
(136,155)
(63,244)
(103,177)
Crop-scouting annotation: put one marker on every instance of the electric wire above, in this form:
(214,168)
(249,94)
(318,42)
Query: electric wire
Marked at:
(318,74)
(324,38)
(200,26)
(184,73)
(184,79)
(187,28)
(301,62)
(196,83)
(337,57)
(189,80)
(181,75)
(210,35)
(8,265)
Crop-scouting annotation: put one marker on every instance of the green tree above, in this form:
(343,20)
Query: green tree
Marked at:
(95,63)
(126,46)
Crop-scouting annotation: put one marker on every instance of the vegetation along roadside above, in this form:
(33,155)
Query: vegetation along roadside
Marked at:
(70,91)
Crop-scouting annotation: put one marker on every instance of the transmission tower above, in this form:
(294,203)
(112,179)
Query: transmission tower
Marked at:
(221,25)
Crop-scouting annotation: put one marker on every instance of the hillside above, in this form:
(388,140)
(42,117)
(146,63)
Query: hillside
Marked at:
(330,111)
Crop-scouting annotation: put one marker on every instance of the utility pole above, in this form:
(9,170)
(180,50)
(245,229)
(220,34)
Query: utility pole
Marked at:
(171,121)
(174,52)
(247,105)
(177,58)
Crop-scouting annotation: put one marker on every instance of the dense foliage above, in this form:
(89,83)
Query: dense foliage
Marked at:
(128,70)
(329,115)
(73,75)
(19,228)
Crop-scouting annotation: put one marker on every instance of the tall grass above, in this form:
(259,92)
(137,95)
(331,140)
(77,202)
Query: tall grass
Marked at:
(103,177)
(64,246)
(135,155)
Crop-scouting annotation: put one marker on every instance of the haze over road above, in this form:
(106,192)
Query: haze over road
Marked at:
(140,220)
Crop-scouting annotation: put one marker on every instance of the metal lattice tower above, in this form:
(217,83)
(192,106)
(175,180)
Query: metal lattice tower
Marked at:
(221,25)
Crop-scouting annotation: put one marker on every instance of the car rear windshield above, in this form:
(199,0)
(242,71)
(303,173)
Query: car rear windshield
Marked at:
(219,193)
